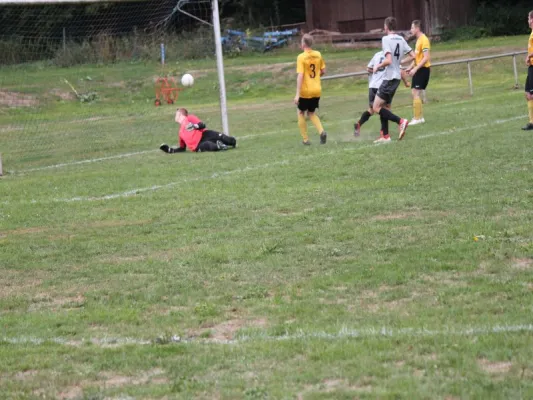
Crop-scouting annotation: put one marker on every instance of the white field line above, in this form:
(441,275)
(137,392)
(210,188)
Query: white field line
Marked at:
(264,166)
(170,184)
(300,335)
(88,161)
(245,137)
(466,128)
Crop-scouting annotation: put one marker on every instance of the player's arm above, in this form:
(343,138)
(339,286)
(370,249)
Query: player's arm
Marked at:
(528,58)
(195,126)
(387,61)
(425,59)
(299,82)
(322,68)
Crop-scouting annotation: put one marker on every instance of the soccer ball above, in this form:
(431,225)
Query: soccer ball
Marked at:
(187,80)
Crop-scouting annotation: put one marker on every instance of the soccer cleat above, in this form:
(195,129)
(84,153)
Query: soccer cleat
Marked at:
(164,147)
(221,146)
(528,127)
(403,127)
(417,121)
(383,139)
(306,143)
(323,137)
(357,129)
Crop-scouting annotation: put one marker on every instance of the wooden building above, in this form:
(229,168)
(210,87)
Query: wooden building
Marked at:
(348,16)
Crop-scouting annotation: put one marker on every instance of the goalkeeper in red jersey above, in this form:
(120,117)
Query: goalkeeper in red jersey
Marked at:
(194,136)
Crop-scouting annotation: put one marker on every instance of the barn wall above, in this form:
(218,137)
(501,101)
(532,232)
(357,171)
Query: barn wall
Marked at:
(365,15)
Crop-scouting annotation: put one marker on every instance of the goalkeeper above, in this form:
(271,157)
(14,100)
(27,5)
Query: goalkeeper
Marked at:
(194,136)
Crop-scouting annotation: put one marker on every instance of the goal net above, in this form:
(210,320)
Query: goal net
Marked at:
(79,79)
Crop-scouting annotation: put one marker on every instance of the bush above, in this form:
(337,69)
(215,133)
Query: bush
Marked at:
(463,33)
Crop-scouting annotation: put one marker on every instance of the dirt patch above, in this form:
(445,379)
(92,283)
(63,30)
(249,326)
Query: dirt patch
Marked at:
(495,367)
(66,96)
(17,284)
(226,330)
(331,385)
(117,223)
(523,264)
(153,376)
(43,301)
(24,231)
(24,375)
(15,99)
(74,392)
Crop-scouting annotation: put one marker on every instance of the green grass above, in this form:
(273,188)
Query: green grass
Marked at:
(277,265)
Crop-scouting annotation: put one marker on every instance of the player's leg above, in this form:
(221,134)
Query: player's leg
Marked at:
(378,105)
(313,105)
(529,98)
(214,136)
(417,107)
(367,114)
(208,146)
(302,123)
(420,83)
(385,95)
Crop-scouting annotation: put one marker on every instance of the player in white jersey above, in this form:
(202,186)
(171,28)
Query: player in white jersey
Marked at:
(395,48)
(374,82)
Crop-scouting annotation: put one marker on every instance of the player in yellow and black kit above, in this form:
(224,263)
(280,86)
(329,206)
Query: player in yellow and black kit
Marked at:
(529,80)
(310,67)
(419,70)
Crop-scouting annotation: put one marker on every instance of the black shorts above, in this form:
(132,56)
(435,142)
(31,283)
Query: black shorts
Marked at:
(308,104)
(387,90)
(421,79)
(371,96)
(529,80)
(372,92)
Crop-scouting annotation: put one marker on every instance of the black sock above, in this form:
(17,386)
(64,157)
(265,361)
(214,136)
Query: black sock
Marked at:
(365,117)
(388,115)
(384,126)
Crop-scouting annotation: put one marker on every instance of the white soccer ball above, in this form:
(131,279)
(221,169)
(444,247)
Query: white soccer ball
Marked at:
(187,80)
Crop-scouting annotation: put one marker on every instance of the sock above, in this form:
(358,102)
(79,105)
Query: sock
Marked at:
(389,116)
(530,109)
(365,117)
(316,122)
(384,126)
(417,108)
(302,124)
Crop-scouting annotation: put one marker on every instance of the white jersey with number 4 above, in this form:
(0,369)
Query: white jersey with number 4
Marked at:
(398,48)
(375,80)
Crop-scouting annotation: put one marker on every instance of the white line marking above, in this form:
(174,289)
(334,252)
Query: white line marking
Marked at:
(343,333)
(88,161)
(133,192)
(171,184)
(467,128)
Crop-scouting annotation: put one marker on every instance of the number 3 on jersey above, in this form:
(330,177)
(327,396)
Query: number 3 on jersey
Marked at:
(397,52)
(313,70)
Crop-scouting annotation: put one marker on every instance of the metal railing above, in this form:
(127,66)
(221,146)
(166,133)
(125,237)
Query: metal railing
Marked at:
(467,61)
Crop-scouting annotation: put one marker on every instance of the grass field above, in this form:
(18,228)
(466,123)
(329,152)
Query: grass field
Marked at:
(277,271)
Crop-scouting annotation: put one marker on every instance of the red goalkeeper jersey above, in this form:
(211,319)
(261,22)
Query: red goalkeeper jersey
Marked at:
(190,139)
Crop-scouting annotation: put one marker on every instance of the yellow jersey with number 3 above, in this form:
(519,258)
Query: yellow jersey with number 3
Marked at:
(530,48)
(422,46)
(310,63)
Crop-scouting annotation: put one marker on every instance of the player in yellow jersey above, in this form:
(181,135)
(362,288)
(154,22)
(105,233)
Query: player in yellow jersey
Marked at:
(529,80)
(310,66)
(419,70)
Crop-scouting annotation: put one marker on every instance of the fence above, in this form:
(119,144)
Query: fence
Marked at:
(467,61)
